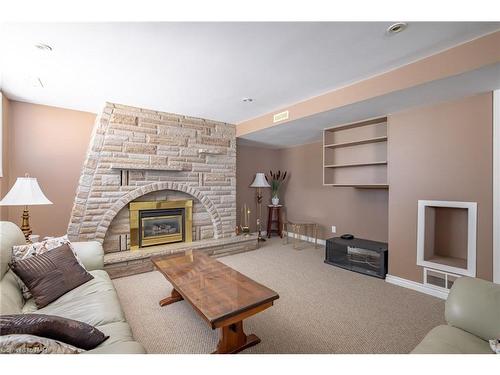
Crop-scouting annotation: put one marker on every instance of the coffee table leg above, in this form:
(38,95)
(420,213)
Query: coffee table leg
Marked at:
(233,339)
(175,296)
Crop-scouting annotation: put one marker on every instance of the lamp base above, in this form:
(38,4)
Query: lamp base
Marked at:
(25,226)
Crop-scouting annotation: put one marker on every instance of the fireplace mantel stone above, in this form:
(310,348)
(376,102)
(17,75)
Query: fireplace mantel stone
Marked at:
(141,167)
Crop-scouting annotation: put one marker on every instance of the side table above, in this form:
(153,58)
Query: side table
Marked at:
(299,229)
(274,220)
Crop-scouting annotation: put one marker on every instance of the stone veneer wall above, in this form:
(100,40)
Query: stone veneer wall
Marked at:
(134,152)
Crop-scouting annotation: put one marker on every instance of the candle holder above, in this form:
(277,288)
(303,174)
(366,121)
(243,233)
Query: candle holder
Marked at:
(245,220)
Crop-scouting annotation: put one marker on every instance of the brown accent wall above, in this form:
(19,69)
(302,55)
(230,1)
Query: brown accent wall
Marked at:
(49,143)
(4,181)
(443,152)
(250,160)
(362,212)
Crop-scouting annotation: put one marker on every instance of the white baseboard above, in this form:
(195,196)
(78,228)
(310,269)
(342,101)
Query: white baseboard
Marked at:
(419,287)
(306,238)
(303,238)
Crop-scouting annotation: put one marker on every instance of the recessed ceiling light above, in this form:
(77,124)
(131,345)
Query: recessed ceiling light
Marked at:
(396,27)
(247,100)
(43,47)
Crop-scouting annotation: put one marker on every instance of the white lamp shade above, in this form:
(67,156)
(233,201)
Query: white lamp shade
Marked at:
(260,181)
(25,192)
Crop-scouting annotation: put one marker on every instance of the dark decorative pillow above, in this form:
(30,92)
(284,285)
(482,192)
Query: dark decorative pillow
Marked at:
(50,275)
(72,332)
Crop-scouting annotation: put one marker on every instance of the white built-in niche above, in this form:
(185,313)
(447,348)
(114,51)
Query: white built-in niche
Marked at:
(446,236)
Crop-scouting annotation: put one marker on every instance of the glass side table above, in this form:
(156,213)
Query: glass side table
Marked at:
(299,229)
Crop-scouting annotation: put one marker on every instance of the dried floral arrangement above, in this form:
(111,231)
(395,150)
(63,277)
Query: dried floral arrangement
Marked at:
(276,179)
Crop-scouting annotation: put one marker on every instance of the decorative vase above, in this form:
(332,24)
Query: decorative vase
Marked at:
(275,200)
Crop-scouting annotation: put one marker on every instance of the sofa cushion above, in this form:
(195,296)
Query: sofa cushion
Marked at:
(51,274)
(95,302)
(117,332)
(90,253)
(69,331)
(445,339)
(474,306)
(11,298)
(10,235)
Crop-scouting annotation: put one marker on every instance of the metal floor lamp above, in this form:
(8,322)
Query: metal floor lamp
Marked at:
(260,182)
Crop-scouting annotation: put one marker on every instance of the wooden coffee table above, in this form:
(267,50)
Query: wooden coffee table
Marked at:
(222,296)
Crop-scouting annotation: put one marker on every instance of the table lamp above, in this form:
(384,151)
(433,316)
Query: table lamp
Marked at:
(25,192)
(260,182)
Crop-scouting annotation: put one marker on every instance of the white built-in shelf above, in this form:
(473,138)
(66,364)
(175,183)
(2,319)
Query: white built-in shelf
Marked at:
(355,143)
(357,124)
(448,261)
(355,152)
(356,164)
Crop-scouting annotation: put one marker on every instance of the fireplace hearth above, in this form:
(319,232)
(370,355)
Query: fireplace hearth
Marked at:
(160,222)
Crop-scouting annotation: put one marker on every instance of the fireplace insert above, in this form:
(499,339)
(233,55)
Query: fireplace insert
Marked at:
(162,226)
(363,256)
(161,222)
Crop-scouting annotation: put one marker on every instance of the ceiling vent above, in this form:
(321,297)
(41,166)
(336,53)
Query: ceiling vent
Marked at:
(396,28)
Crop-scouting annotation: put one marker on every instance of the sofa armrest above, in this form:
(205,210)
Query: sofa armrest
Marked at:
(90,253)
(474,306)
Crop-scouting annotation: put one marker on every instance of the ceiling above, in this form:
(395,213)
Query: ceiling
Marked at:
(206,69)
(310,129)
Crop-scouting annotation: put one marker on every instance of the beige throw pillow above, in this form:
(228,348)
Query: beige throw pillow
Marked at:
(29,344)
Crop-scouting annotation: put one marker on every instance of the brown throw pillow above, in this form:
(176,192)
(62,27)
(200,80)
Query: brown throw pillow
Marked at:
(50,275)
(21,252)
(72,332)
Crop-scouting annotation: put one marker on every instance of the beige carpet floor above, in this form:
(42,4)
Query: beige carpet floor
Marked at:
(321,309)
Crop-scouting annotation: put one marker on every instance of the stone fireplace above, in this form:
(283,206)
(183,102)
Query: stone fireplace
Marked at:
(136,156)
